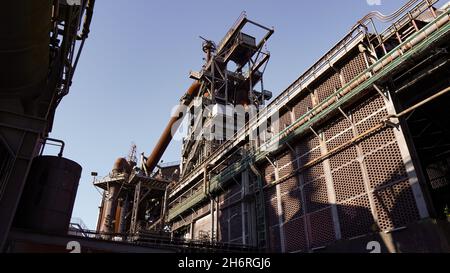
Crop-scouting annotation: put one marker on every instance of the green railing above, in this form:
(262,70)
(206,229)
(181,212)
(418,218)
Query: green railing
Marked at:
(435,36)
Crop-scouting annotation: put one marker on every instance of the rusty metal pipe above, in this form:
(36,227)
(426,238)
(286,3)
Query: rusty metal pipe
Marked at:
(61,150)
(24,49)
(166,136)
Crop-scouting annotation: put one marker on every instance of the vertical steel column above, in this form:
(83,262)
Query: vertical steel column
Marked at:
(191,230)
(164,209)
(253,232)
(362,162)
(216,235)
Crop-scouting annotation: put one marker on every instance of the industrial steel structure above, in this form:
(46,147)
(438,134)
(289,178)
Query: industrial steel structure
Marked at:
(355,150)
(39,52)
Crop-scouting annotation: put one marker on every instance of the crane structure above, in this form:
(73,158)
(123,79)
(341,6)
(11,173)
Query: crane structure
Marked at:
(227,93)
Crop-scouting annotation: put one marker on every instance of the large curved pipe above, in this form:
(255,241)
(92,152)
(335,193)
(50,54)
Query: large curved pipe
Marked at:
(166,136)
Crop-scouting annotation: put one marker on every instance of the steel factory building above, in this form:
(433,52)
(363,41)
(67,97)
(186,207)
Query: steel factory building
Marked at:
(354,151)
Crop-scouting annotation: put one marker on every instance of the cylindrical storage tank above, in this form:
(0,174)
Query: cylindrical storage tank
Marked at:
(47,201)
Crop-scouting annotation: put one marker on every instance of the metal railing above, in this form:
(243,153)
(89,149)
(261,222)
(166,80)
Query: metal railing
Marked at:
(146,239)
(371,70)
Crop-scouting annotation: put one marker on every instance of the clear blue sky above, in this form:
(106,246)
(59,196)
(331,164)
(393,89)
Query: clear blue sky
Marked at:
(135,66)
